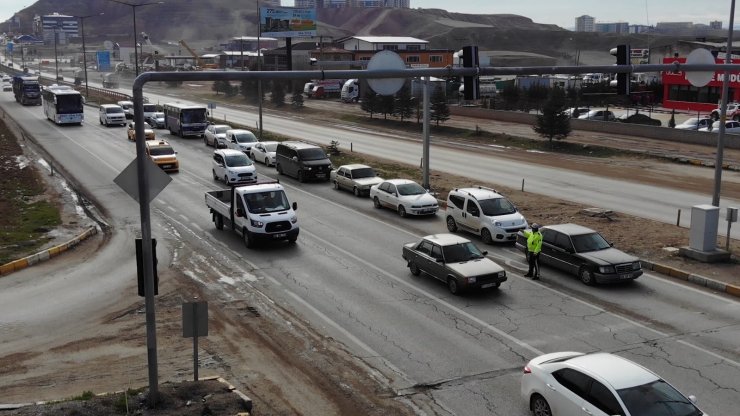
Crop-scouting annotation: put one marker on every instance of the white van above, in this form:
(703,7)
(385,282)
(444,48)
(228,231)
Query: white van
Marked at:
(128,108)
(111,114)
(483,211)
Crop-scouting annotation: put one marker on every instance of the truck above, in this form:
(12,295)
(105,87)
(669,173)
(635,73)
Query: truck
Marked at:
(111,80)
(258,212)
(351,91)
(328,87)
(27,90)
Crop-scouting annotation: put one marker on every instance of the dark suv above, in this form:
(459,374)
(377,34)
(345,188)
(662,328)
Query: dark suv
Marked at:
(302,161)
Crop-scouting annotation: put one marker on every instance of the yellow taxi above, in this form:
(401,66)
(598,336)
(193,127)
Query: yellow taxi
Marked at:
(162,154)
(148,132)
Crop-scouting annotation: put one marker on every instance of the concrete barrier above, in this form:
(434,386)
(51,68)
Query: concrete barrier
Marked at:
(44,255)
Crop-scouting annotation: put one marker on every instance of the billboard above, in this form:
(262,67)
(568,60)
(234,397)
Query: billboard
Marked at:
(287,22)
(103,58)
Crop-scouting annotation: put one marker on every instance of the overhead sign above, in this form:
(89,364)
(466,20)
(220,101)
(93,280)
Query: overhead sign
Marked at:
(287,22)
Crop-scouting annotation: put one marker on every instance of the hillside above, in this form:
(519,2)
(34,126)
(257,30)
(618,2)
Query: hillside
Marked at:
(206,23)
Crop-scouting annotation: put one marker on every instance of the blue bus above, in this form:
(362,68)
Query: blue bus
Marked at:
(185,120)
(63,105)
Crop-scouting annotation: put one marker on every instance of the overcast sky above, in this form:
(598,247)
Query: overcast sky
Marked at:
(558,12)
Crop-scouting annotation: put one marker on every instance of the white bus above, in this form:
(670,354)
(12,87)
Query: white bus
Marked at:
(63,105)
(185,120)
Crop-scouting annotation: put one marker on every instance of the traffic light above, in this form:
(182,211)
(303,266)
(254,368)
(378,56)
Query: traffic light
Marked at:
(622,52)
(471,88)
(140,267)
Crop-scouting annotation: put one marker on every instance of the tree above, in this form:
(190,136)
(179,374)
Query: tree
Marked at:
(386,105)
(370,102)
(297,99)
(277,93)
(672,121)
(510,95)
(553,123)
(221,86)
(404,107)
(439,110)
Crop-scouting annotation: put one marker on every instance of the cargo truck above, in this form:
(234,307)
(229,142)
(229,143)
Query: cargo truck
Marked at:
(258,212)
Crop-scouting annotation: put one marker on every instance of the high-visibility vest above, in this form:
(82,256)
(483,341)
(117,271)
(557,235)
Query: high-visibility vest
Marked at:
(534,241)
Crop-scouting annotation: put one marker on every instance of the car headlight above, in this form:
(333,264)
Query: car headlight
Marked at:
(497,223)
(636,265)
(308,168)
(231,172)
(471,280)
(606,269)
(502,273)
(293,219)
(257,224)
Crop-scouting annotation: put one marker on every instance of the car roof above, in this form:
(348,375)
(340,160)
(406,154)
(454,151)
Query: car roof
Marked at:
(220,125)
(354,166)
(156,143)
(229,152)
(570,229)
(399,181)
(480,193)
(619,372)
(299,145)
(446,239)
(109,105)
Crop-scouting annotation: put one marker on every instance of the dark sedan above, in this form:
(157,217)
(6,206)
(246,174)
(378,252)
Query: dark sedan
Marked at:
(585,253)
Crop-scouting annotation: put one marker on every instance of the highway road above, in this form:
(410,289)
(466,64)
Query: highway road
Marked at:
(345,276)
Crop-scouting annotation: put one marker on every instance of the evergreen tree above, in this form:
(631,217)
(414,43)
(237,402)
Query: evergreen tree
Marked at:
(510,95)
(221,86)
(386,105)
(404,103)
(672,121)
(297,99)
(439,110)
(370,102)
(277,93)
(554,123)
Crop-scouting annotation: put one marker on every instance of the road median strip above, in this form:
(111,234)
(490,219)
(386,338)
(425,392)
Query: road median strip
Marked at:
(692,278)
(43,255)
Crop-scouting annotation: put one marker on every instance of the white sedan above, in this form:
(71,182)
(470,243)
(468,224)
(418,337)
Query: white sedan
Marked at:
(599,384)
(264,152)
(730,127)
(695,123)
(404,196)
(215,133)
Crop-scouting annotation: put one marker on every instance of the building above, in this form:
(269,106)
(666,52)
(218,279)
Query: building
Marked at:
(334,4)
(618,27)
(675,27)
(585,23)
(55,24)
(270,3)
(307,56)
(640,29)
(415,52)
(715,24)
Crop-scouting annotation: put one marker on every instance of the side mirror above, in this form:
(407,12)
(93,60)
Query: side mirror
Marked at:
(294,158)
(440,260)
(239,213)
(295,206)
(485,253)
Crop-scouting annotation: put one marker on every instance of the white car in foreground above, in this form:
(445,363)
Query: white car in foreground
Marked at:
(404,196)
(599,384)
(731,127)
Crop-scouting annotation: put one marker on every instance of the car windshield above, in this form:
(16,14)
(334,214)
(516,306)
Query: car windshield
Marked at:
(150,108)
(496,206)
(312,154)
(161,151)
(584,243)
(412,188)
(238,160)
(265,202)
(245,138)
(363,173)
(219,130)
(460,252)
(158,115)
(270,147)
(657,399)
(114,110)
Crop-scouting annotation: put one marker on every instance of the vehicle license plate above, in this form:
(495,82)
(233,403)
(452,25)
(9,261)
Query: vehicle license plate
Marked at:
(625,276)
(166,166)
(280,235)
(487,285)
(320,175)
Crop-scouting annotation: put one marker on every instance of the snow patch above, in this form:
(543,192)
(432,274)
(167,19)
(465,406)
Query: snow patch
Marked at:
(22,161)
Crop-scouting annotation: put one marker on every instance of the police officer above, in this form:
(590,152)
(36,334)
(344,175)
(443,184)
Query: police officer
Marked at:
(534,246)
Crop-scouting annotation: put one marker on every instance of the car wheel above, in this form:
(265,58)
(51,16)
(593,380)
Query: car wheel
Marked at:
(336,185)
(226,179)
(586,276)
(356,191)
(267,161)
(219,220)
(205,141)
(452,286)
(486,236)
(540,407)
(279,169)
(215,177)
(415,270)
(451,225)
(301,176)
(247,240)
(376,203)
(401,211)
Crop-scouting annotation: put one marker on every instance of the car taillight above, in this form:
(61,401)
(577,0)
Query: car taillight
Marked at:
(527,370)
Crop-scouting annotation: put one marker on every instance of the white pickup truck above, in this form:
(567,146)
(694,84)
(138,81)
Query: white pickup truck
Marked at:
(257,212)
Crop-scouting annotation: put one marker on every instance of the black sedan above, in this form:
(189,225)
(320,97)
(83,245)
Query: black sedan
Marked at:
(585,253)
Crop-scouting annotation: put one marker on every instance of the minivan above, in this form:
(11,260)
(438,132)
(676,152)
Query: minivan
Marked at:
(302,161)
(111,114)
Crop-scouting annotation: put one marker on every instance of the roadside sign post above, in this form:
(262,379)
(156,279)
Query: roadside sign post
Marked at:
(731,217)
(194,325)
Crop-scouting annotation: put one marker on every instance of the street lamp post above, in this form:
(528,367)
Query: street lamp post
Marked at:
(133,9)
(84,51)
(56,58)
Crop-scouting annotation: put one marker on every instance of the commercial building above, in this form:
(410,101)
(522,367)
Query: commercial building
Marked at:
(55,24)
(585,23)
(415,52)
(679,94)
(334,4)
(618,27)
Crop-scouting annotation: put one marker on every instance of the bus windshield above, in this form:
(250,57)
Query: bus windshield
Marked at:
(69,104)
(194,116)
